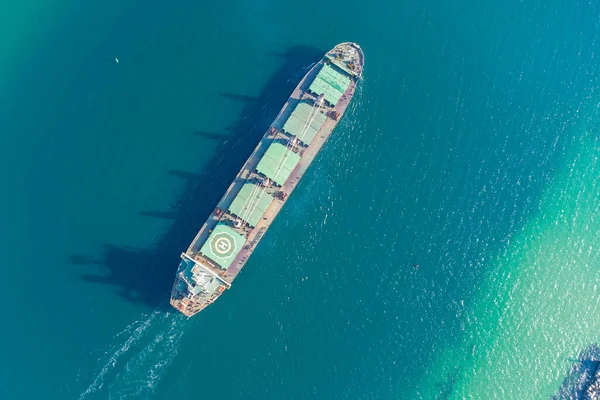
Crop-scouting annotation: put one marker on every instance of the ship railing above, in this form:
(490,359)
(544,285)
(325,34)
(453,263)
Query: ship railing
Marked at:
(257,238)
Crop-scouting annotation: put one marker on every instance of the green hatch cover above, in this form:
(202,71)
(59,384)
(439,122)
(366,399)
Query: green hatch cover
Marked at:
(251,197)
(331,83)
(278,163)
(297,122)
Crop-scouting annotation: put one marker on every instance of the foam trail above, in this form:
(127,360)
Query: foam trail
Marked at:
(112,361)
(144,370)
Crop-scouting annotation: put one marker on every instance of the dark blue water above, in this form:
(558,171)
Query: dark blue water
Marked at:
(470,149)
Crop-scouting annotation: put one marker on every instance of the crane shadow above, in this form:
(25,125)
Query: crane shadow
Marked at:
(145,275)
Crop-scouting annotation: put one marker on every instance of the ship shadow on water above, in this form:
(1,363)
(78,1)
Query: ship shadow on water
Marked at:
(145,275)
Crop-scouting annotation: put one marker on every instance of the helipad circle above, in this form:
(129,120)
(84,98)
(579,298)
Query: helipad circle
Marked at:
(222,245)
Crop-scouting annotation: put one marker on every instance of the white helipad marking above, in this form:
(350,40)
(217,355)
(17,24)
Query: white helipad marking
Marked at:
(222,245)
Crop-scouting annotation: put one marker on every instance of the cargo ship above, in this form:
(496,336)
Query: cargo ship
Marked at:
(261,188)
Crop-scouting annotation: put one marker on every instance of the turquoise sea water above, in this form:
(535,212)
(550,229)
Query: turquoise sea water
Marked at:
(471,148)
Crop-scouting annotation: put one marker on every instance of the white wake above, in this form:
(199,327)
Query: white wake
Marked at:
(140,360)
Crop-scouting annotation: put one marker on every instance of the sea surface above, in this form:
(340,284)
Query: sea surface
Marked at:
(471,149)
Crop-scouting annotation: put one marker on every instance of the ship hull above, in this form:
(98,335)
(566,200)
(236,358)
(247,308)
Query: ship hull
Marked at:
(226,240)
